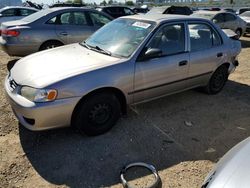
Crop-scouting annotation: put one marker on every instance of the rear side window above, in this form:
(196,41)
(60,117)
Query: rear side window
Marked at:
(26,12)
(219,18)
(170,39)
(229,17)
(9,12)
(69,18)
(98,19)
(203,37)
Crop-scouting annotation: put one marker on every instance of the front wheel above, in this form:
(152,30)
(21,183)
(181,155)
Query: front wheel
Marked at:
(97,114)
(217,81)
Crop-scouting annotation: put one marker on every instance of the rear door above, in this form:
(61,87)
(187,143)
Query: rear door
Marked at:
(167,73)
(73,26)
(206,52)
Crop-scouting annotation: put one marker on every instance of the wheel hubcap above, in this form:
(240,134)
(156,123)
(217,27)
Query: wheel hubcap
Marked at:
(100,114)
(218,81)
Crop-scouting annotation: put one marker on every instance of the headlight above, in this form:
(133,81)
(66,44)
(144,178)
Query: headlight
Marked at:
(38,95)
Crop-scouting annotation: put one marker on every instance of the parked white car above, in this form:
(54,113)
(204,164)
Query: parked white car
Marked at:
(246,17)
(232,171)
(12,13)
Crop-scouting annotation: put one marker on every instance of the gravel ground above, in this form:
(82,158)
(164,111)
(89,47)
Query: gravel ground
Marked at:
(183,135)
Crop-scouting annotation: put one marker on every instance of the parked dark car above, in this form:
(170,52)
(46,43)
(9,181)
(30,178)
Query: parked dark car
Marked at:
(182,10)
(116,11)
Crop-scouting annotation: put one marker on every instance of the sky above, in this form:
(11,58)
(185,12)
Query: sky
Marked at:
(52,1)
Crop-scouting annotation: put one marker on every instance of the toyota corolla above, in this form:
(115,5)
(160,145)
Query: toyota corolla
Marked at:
(131,60)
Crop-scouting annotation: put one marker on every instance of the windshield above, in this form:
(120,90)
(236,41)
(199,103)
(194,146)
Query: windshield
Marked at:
(246,14)
(203,15)
(37,15)
(120,37)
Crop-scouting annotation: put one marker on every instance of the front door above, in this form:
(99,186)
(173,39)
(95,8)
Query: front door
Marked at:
(166,73)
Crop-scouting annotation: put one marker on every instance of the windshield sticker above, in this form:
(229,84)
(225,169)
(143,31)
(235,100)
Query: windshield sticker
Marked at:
(141,25)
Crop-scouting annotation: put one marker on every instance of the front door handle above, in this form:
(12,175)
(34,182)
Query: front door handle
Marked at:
(64,33)
(220,54)
(183,63)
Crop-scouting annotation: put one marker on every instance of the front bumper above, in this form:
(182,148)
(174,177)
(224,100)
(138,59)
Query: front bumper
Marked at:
(41,116)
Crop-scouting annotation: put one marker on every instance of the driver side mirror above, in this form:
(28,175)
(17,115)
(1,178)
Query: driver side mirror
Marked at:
(150,53)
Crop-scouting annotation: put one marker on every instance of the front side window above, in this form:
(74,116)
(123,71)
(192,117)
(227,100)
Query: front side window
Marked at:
(99,19)
(120,37)
(170,39)
(202,37)
(128,11)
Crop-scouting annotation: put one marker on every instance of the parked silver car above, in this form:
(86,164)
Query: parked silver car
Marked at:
(50,28)
(246,17)
(225,20)
(15,13)
(232,170)
(131,60)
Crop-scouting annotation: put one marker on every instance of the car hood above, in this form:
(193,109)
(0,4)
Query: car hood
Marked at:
(44,68)
(233,168)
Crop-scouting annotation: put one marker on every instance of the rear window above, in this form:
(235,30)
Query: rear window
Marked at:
(37,15)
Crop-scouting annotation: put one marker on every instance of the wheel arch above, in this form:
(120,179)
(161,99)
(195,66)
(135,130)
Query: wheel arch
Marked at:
(50,40)
(118,93)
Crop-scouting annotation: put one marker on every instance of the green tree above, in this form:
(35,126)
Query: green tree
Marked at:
(104,3)
(129,3)
(110,2)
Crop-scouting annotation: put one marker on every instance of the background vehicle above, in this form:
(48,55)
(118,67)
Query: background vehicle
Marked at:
(241,10)
(182,10)
(50,28)
(15,13)
(225,20)
(232,170)
(246,17)
(116,11)
(131,60)
(140,10)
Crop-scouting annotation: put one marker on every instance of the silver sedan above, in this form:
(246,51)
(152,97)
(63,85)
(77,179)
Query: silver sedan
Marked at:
(225,20)
(50,28)
(128,61)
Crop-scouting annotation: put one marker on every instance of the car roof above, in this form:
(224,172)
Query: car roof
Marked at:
(159,18)
(21,7)
(70,8)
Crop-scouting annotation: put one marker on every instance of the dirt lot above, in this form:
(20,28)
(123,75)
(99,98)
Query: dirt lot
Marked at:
(154,132)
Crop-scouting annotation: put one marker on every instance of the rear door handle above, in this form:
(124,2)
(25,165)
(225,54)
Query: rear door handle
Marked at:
(183,63)
(220,54)
(64,33)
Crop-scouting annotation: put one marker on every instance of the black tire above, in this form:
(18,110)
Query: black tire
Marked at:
(50,44)
(217,80)
(97,114)
(239,33)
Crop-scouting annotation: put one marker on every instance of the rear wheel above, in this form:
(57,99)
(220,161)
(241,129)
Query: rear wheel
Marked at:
(238,33)
(97,114)
(217,81)
(50,44)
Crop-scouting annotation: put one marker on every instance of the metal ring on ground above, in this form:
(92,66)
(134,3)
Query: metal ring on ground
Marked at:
(140,164)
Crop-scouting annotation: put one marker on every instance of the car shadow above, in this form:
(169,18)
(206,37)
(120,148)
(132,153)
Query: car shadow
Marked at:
(245,42)
(11,63)
(188,126)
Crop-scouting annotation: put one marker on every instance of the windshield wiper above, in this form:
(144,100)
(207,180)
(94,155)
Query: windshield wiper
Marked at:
(96,48)
(103,50)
